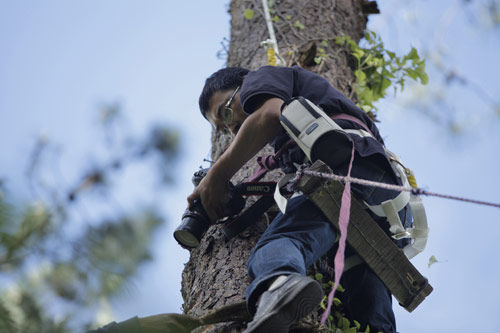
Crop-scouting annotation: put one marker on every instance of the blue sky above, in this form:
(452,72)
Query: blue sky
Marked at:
(61,60)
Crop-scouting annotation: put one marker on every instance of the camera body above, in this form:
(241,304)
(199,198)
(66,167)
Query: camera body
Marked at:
(195,221)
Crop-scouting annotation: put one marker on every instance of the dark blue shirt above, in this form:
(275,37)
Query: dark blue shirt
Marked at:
(289,82)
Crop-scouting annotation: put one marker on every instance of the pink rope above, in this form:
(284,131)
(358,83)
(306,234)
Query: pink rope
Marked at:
(345,209)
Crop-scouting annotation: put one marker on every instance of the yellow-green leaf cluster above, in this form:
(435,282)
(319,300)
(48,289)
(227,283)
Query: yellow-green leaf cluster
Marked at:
(376,69)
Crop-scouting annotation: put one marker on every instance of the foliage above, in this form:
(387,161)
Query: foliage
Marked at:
(376,69)
(337,322)
(60,267)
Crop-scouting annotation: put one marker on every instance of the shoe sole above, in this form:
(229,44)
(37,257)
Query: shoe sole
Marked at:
(294,306)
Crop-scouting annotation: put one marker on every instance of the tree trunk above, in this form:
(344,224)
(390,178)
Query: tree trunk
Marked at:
(216,273)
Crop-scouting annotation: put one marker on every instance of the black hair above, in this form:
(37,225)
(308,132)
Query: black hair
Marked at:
(224,79)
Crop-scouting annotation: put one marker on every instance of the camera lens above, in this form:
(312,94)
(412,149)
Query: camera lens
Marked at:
(194,224)
(188,233)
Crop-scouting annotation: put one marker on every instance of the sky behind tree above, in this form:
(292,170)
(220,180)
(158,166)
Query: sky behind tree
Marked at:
(61,61)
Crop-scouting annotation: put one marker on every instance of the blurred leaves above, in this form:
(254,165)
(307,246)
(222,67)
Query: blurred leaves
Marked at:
(460,50)
(17,236)
(59,266)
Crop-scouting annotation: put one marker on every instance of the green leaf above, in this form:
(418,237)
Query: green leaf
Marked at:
(336,301)
(411,73)
(323,303)
(340,288)
(386,83)
(345,323)
(424,78)
(392,55)
(298,24)
(432,261)
(360,75)
(275,18)
(288,17)
(318,276)
(358,325)
(358,53)
(324,43)
(248,14)
(413,54)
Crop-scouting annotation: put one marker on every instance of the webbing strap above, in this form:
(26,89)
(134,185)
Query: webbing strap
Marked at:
(353,119)
(282,201)
(420,230)
(247,218)
(390,208)
(361,133)
(345,209)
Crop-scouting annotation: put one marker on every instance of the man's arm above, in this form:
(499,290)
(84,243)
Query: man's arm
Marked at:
(256,131)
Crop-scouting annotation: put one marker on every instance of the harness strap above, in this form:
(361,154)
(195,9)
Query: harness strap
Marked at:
(345,116)
(420,230)
(247,218)
(390,208)
(269,162)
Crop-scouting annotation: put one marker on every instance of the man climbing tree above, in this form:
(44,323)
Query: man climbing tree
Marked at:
(248,104)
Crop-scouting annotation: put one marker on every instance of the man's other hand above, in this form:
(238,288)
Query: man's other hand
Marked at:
(213,192)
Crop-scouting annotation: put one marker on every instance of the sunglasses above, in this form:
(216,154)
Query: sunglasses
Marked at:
(227,114)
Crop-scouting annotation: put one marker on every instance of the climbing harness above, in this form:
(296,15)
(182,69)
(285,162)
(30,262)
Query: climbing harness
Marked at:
(306,123)
(367,238)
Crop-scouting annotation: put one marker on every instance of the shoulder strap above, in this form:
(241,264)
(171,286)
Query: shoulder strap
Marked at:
(295,91)
(353,119)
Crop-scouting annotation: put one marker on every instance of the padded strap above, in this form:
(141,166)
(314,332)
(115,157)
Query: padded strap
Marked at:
(420,230)
(353,119)
(361,133)
(280,200)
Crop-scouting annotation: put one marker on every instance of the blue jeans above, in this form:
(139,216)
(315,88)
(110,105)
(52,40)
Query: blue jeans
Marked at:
(293,242)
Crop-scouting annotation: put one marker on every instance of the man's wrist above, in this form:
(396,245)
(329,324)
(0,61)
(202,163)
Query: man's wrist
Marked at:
(220,172)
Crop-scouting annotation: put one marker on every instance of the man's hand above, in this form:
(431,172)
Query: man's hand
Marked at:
(257,130)
(213,191)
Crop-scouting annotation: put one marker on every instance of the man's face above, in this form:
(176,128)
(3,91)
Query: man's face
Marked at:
(216,113)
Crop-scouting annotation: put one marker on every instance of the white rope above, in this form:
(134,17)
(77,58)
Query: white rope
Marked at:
(271,42)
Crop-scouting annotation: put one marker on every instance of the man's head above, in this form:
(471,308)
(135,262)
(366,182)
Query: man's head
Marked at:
(216,96)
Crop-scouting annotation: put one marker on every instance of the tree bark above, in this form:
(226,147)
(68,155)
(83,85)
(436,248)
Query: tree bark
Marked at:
(216,273)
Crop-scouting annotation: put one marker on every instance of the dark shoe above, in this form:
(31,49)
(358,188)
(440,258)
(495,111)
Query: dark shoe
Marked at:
(281,306)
